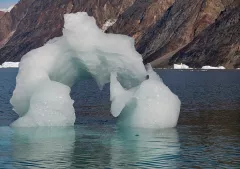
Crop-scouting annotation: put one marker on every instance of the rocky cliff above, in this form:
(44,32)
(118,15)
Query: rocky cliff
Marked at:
(219,44)
(194,32)
(1,14)
(31,23)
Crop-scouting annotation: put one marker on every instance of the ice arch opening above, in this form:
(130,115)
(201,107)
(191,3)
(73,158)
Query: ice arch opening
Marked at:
(46,74)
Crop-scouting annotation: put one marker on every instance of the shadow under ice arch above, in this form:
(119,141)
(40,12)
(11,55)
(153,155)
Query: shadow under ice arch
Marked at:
(41,96)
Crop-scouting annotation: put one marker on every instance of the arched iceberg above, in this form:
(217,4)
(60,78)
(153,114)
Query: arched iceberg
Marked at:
(41,96)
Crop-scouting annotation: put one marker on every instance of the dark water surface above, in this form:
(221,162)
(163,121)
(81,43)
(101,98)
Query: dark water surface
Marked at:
(207,135)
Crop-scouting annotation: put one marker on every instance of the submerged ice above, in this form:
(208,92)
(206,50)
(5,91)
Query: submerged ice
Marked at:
(46,74)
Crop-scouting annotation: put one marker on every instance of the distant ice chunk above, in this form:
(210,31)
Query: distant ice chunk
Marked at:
(10,65)
(211,67)
(181,66)
(41,96)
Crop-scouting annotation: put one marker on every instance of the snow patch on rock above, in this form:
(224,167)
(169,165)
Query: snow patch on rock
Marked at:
(7,9)
(108,24)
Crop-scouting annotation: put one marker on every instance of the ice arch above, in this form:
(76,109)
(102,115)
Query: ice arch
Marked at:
(41,96)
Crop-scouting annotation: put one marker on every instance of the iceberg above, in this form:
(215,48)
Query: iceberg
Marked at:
(10,65)
(211,67)
(181,66)
(46,75)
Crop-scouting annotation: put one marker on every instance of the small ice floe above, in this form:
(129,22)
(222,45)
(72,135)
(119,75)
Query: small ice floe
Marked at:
(10,65)
(181,66)
(211,67)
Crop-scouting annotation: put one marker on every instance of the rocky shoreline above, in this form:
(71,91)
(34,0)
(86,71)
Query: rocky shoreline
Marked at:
(166,32)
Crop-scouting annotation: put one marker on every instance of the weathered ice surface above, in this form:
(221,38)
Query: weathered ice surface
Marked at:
(160,28)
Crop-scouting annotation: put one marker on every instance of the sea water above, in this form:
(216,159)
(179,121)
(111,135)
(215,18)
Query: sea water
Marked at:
(207,134)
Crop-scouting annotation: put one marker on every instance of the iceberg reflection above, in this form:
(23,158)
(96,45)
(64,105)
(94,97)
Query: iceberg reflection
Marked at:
(144,148)
(94,147)
(43,147)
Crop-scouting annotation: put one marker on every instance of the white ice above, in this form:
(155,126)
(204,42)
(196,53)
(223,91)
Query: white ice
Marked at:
(181,66)
(46,74)
(211,67)
(50,105)
(10,65)
(149,105)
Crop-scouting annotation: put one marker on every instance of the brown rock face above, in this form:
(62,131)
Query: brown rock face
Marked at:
(10,20)
(1,14)
(162,28)
(102,10)
(181,23)
(165,31)
(139,17)
(41,21)
(219,44)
